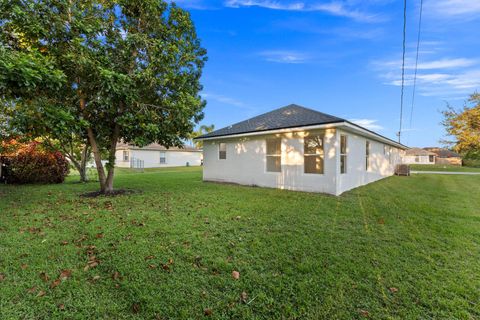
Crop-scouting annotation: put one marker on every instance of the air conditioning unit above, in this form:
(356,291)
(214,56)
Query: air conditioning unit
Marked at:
(402,170)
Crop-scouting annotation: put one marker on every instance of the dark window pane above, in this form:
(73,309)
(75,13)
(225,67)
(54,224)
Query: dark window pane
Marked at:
(274,146)
(343,144)
(313,145)
(274,163)
(343,163)
(222,151)
(313,164)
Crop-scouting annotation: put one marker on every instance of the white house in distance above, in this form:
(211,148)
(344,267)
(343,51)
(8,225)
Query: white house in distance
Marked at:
(156,156)
(301,149)
(419,156)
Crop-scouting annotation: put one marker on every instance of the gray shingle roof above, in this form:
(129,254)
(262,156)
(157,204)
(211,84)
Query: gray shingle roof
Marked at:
(290,116)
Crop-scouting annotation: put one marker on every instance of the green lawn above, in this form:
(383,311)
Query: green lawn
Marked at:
(401,248)
(439,167)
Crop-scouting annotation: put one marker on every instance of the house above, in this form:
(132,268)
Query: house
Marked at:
(419,156)
(156,156)
(445,156)
(301,149)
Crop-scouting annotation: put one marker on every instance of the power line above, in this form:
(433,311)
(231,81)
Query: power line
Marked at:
(403,66)
(416,62)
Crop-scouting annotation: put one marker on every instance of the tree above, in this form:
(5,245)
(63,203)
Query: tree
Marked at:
(125,70)
(464,126)
(201,131)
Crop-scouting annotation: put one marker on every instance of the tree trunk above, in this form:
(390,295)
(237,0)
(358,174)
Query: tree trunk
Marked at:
(111,159)
(96,151)
(83,164)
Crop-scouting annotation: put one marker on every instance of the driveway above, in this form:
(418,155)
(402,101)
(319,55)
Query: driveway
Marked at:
(444,172)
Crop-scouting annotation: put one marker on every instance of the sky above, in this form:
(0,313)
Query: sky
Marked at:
(339,57)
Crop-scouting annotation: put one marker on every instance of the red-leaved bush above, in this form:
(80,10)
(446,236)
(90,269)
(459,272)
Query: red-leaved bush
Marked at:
(30,163)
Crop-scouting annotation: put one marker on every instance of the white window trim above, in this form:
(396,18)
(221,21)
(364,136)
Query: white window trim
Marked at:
(272,155)
(127,154)
(165,157)
(368,149)
(344,154)
(322,156)
(218,154)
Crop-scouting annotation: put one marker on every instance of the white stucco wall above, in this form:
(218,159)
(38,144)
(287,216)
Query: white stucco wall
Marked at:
(382,164)
(421,160)
(151,158)
(246,163)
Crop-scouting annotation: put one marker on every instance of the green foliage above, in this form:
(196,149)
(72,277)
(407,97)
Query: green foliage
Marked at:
(300,255)
(117,70)
(33,164)
(464,126)
(201,131)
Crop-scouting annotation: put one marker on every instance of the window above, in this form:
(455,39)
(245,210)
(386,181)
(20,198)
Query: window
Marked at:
(163,157)
(431,158)
(125,155)
(343,154)
(313,154)
(222,151)
(417,158)
(367,155)
(274,155)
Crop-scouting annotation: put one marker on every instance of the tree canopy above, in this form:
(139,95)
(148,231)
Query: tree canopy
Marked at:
(464,126)
(108,70)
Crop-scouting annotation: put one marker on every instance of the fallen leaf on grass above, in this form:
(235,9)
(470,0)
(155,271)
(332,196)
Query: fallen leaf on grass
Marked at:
(41,293)
(365,313)
(207,311)
(235,275)
(152,266)
(61,306)
(244,297)
(2,276)
(393,290)
(64,243)
(170,261)
(24,266)
(166,267)
(149,257)
(381,221)
(44,276)
(135,308)
(55,283)
(32,290)
(97,277)
(116,275)
(65,274)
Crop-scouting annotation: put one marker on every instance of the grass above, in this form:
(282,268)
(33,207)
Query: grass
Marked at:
(440,167)
(401,248)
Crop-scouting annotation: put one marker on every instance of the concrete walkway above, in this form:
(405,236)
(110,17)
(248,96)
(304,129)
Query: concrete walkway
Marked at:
(444,172)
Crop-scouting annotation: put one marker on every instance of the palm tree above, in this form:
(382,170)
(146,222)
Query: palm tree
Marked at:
(203,129)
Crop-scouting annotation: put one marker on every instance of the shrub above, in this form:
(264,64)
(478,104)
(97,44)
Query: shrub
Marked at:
(30,163)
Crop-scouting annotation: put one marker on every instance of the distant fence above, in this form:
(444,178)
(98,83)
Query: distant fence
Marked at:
(137,164)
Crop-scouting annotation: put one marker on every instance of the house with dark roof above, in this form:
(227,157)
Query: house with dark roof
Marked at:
(419,156)
(156,156)
(445,156)
(297,148)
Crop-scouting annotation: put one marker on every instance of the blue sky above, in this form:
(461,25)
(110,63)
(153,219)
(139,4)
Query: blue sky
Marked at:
(338,57)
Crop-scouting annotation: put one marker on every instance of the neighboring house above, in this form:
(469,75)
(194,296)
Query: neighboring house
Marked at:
(156,156)
(445,156)
(298,149)
(419,156)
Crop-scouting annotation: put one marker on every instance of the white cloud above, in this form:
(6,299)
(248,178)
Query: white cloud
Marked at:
(453,8)
(335,8)
(222,99)
(367,123)
(284,56)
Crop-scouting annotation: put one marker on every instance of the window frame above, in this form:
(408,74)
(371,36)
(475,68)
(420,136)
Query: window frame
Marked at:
(367,155)
(126,156)
(343,154)
(220,151)
(276,155)
(164,157)
(319,155)
(432,157)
